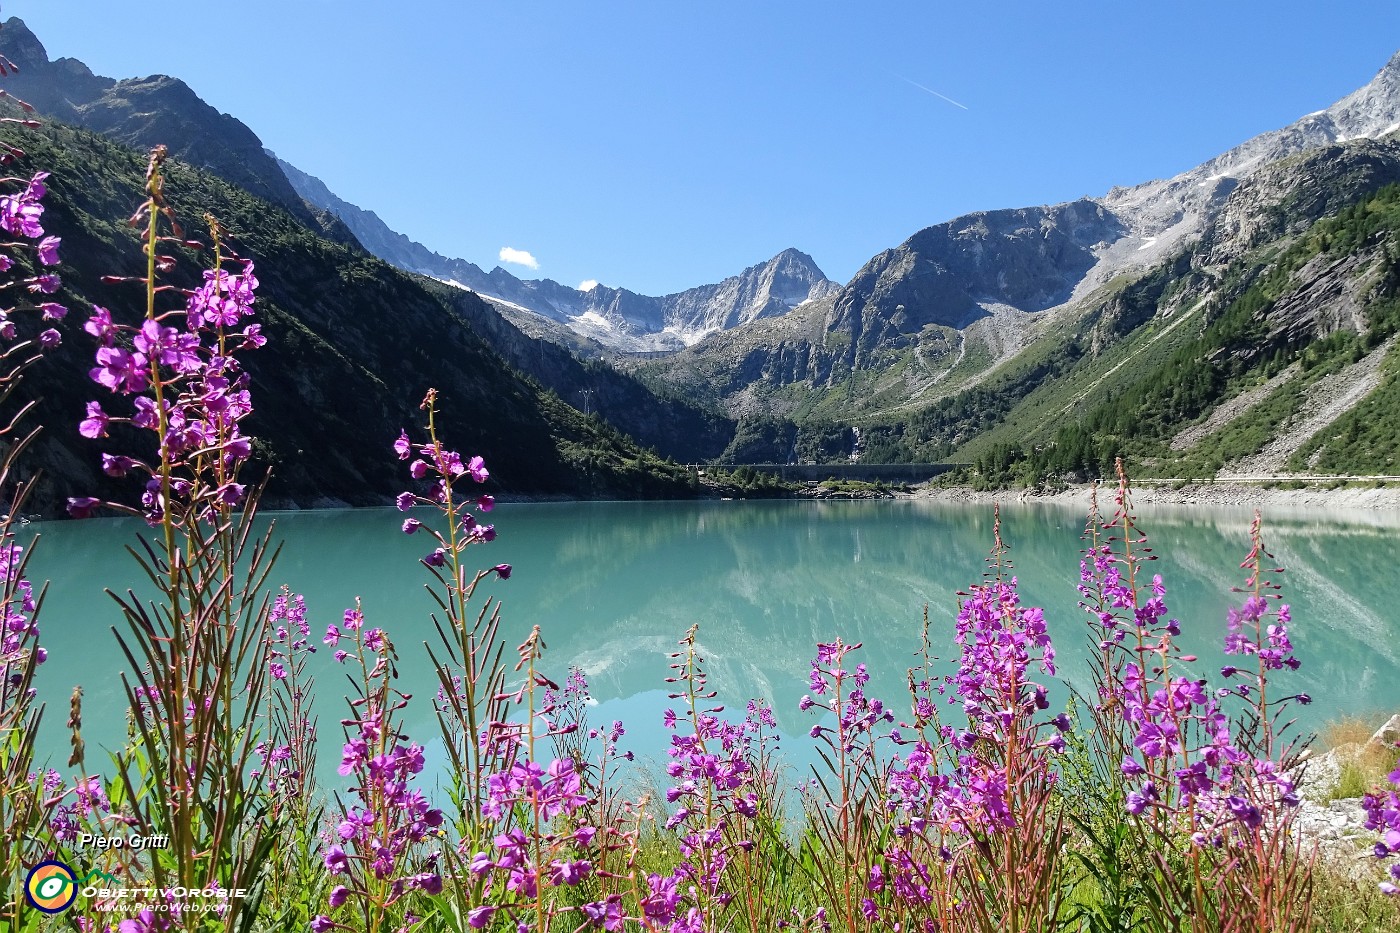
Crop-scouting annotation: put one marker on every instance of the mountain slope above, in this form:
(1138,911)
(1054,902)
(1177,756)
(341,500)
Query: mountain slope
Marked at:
(615,317)
(958,301)
(352,345)
(1266,345)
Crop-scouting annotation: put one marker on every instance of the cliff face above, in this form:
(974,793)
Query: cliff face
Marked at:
(949,274)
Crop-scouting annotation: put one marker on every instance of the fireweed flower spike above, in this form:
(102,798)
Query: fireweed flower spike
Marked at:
(288,755)
(472,704)
(376,858)
(541,843)
(1001,791)
(846,839)
(29,799)
(716,791)
(174,376)
(198,390)
(1187,771)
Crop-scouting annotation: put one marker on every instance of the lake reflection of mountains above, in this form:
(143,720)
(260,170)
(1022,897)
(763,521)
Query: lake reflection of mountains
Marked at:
(768,581)
(615,585)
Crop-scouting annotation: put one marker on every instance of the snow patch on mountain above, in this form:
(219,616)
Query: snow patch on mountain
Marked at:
(1161,215)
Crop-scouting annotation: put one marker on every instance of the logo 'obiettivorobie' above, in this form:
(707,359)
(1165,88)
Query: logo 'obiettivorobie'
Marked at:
(51,887)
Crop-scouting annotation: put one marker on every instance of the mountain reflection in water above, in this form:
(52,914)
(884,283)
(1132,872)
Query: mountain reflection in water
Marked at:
(613,586)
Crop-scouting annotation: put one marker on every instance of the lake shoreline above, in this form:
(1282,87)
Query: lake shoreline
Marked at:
(1211,495)
(1381,505)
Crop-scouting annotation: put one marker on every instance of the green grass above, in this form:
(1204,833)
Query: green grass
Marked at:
(1345,905)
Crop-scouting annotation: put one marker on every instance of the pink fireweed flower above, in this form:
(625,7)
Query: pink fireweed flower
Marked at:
(82,506)
(45,284)
(1383,817)
(168,346)
(95,422)
(121,371)
(48,250)
(100,325)
(20,215)
(116,465)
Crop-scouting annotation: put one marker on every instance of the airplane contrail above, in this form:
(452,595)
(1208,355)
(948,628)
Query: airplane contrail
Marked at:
(933,92)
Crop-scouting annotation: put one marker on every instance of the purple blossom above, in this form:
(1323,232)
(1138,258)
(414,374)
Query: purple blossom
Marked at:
(171,348)
(120,371)
(20,215)
(82,506)
(100,325)
(95,424)
(337,862)
(608,913)
(116,465)
(46,284)
(48,250)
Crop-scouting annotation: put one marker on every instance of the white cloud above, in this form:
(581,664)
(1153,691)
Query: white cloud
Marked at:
(587,285)
(519,257)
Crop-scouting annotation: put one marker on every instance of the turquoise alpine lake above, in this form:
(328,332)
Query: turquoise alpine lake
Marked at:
(613,587)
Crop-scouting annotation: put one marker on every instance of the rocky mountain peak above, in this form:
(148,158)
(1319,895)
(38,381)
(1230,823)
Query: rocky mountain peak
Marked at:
(1161,215)
(764,290)
(955,273)
(21,46)
(796,259)
(1372,110)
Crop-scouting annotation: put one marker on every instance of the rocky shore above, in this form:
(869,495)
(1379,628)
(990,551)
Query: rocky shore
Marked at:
(1338,826)
(1379,504)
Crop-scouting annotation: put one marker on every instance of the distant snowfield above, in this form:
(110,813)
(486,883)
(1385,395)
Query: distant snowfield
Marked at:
(594,319)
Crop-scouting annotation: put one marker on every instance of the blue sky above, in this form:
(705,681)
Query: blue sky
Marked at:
(661,145)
